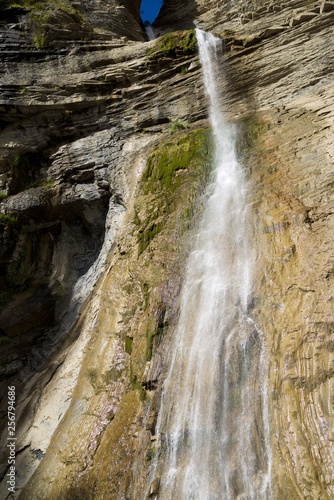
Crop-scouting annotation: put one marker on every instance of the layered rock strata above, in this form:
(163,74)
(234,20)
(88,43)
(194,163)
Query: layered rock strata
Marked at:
(85,129)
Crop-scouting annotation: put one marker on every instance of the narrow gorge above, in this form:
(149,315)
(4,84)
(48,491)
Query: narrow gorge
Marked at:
(167,264)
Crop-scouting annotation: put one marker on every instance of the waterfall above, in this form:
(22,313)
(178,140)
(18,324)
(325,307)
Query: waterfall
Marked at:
(213,430)
(150,32)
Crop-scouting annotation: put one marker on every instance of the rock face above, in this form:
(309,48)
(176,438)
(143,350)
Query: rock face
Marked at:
(104,150)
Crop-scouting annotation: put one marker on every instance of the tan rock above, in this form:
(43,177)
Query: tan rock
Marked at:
(89,113)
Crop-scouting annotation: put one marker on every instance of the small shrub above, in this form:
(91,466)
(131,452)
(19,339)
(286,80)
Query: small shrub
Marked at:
(18,159)
(39,40)
(178,125)
(7,219)
(189,42)
(149,52)
(136,218)
(137,386)
(150,454)
(110,376)
(42,183)
(92,377)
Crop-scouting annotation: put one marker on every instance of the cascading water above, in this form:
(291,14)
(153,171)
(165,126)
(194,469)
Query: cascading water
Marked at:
(150,32)
(213,431)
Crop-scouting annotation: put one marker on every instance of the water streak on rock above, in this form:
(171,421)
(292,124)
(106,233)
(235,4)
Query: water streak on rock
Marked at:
(150,32)
(213,426)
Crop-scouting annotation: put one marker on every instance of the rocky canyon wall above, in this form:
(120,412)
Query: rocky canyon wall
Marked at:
(105,151)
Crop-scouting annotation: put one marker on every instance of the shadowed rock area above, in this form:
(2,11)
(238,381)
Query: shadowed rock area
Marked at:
(104,156)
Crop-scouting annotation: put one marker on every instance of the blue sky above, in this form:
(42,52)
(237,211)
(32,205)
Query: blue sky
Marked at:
(150,9)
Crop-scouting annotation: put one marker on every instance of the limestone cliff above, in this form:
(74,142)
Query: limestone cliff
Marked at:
(104,155)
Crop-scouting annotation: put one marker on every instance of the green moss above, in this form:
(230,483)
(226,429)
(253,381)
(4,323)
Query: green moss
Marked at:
(136,219)
(150,52)
(42,183)
(145,236)
(145,290)
(18,158)
(170,188)
(165,163)
(137,386)
(7,219)
(41,14)
(3,195)
(40,23)
(151,453)
(177,126)
(171,171)
(149,344)
(174,44)
(92,377)
(42,5)
(156,328)
(189,42)
(153,337)
(40,40)
(110,376)
(128,345)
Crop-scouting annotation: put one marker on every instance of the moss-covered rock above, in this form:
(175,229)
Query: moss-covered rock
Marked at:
(174,45)
(167,200)
(141,291)
(171,175)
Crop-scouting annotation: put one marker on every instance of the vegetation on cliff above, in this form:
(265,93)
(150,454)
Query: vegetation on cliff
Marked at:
(44,16)
(168,197)
(174,44)
(286,145)
(143,280)
(171,168)
(38,5)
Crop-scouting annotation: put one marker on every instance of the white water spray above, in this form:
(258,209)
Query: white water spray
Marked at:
(213,428)
(150,32)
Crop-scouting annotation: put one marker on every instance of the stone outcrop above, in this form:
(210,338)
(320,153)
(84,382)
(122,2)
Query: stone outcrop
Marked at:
(94,228)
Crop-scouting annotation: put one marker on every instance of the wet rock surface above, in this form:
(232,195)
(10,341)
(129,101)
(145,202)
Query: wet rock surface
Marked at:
(79,118)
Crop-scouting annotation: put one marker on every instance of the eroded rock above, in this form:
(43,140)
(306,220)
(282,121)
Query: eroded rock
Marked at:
(83,116)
